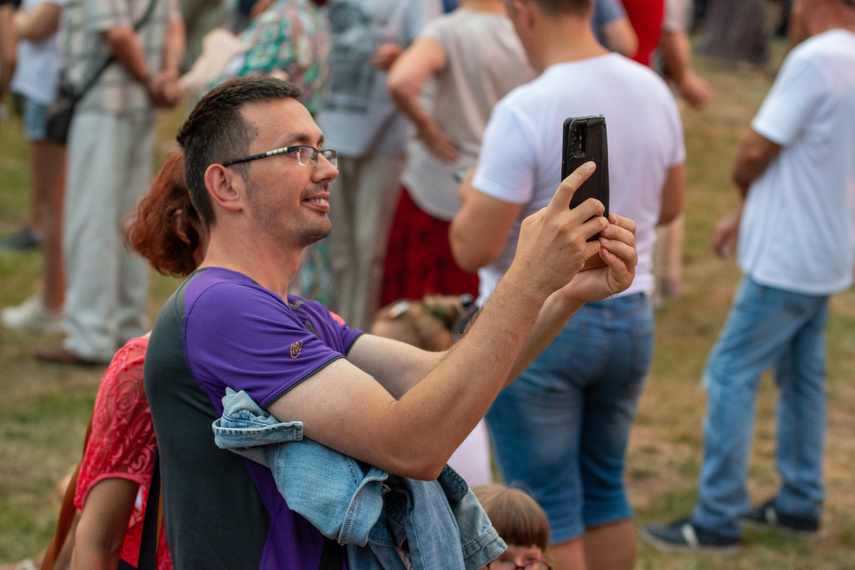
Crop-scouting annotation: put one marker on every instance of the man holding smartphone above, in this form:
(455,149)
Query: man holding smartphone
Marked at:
(796,247)
(563,426)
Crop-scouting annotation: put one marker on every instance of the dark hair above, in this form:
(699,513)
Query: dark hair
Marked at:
(216,131)
(516,516)
(163,229)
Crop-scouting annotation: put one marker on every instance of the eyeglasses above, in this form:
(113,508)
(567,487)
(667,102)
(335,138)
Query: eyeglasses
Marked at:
(508,564)
(306,155)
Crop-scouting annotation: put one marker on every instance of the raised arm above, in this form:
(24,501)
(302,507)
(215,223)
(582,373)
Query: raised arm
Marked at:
(344,408)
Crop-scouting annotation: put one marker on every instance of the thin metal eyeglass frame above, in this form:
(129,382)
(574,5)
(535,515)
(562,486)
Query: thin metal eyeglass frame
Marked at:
(328,153)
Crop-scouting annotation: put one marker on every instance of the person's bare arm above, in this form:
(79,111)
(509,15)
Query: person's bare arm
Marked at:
(620,37)
(755,154)
(419,62)
(8,48)
(173,54)
(342,407)
(39,24)
(480,229)
(103,524)
(125,46)
(676,53)
(385,55)
(672,194)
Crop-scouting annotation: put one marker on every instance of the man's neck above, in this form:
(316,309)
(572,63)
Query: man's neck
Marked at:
(495,6)
(831,17)
(568,40)
(270,267)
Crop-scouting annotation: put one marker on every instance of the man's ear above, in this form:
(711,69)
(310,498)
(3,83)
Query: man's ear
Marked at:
(525,13)
(225,187)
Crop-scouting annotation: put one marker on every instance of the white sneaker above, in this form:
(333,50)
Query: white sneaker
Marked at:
(32,315)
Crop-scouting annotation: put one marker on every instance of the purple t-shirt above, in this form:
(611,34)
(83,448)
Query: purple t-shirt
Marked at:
(240,335)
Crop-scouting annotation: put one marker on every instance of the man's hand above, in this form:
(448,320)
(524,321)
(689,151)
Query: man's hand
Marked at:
(385,55)
(727,233)
(163,89)
(437,142)
(615,269)
(553,245)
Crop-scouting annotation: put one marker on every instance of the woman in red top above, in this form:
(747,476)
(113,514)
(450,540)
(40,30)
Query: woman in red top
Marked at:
(115,472)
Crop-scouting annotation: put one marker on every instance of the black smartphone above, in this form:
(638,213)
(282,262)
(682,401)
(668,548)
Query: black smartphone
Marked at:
(584,140)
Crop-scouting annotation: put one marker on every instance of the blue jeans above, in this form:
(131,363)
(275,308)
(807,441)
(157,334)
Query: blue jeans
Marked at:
(35,120)
(561,429)
(767,328)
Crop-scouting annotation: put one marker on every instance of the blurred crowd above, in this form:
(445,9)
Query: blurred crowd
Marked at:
(443,120)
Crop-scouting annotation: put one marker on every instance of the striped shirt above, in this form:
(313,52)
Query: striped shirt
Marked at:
(84,50)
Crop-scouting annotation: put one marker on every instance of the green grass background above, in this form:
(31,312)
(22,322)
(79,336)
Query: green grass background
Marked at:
(45,408)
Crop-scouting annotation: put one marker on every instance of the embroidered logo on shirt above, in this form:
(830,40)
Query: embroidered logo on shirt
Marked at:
(296,348)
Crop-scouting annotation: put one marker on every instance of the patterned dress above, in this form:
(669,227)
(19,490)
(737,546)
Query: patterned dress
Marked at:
(122,443)
(290,39)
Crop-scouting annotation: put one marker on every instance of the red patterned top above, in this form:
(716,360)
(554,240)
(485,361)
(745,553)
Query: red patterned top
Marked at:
(122,443)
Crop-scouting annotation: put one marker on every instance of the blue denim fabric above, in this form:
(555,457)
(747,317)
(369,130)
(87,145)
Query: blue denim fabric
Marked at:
(35,120)
(562,427)
(375,514)
(766,328)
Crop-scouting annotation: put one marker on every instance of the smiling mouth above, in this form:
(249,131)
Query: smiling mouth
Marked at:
(317,200)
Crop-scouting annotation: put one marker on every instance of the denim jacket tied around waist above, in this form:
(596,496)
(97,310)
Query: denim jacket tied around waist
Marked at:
(375,514)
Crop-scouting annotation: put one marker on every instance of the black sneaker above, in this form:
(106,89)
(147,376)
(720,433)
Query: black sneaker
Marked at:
(767,517)
(25,238)
(682,536)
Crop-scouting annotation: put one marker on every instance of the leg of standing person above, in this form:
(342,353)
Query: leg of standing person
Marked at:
(610,406)
(801,418)
(48,163)
(362,205)
(93,245)
(592,373)
(762,325)
(535,427)
(132,287)
(43,312)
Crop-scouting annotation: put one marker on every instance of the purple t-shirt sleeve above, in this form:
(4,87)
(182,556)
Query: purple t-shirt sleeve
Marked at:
(240,335)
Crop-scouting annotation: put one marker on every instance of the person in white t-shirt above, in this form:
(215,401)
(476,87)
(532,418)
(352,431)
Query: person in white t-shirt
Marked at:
(470,58)
(796,172)
(563,426)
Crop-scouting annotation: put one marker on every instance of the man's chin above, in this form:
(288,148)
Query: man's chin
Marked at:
(315,235)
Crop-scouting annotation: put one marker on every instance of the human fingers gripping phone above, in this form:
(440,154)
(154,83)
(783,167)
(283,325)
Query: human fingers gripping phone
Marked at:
(585,139)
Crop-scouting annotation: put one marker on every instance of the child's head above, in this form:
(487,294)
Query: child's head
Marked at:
(426,324)
(520,522)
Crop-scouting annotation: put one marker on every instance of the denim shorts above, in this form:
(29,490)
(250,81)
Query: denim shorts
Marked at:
(561,429)
(35,120)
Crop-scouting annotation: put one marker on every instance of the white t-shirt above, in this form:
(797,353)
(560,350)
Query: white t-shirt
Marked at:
(797,228)
(39,63)
(520,159)
(484,61)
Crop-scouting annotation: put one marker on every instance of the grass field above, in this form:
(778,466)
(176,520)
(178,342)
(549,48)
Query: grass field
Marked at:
(45,408)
